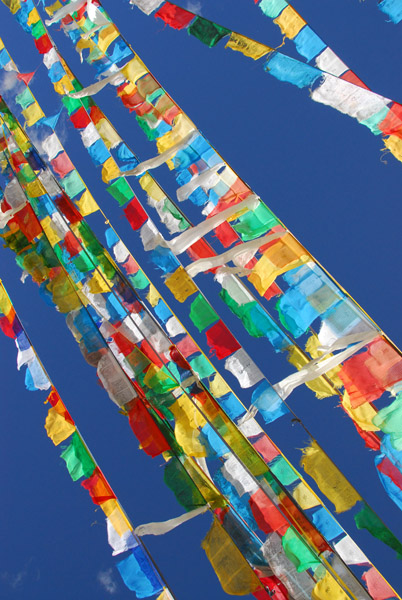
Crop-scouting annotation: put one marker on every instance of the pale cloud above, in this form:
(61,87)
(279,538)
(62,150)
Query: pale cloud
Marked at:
(9,81)
(17,580)
(106,580)
(194,6)
(14,580)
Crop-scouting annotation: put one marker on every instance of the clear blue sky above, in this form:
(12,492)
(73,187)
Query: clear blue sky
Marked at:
(318,170)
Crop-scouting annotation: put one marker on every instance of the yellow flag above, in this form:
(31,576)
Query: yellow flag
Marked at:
(134,69)
(362,415)
(165,595)
(394,145)
(149,185)
(33,17)
(106,36)
(86,204)
(218,386)
(5,303)
(35,189)
(83,44)
(182,127)
(50,231)
(114,513)
(32,114)
(63,86)
(181,285)
(13,5)
(312,345)
(64,295)
(110,170)
(108,134)
(98,284)
(282,256)
(290,22)
(328,589)
(153,296)
(21,139)
(248,47)
(332,483)
(53,7)
(187,421)
(304,497)
(233,571)
(128,90)
(58,429)
(320,386)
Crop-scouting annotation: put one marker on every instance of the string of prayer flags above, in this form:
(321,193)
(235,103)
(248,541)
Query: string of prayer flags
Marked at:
(142,576)
(336,75)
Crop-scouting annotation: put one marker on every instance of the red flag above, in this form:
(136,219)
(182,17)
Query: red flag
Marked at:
(26,77)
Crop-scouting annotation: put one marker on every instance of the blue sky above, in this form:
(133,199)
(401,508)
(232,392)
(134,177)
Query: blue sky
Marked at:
(320,171)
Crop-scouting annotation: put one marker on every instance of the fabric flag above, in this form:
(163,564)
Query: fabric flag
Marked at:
(98,487)
(350,552)
(147,6)
(174,16)
(305,497)
(114,513)
(243,368)
(328,589)
(135,214)
(26,77)
(272,8)
(121,191)
(190,485)
(221,340)
(332,483)
(134,69)
(367,519)
(201,313)
(139,575)
(146,429)
(300,585)
(288,69)
(165,526)
(32,114)
(268,517)
(326,524)
(283,471)
(389,420)
(121,539)
(181,285)
(290,22)
(77,458)
(59,425)
(388,475)
(308,44)
(233,571)
(248,47)
(297,551)
(187,421)
(377,586)
(207,32)
(269,404)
